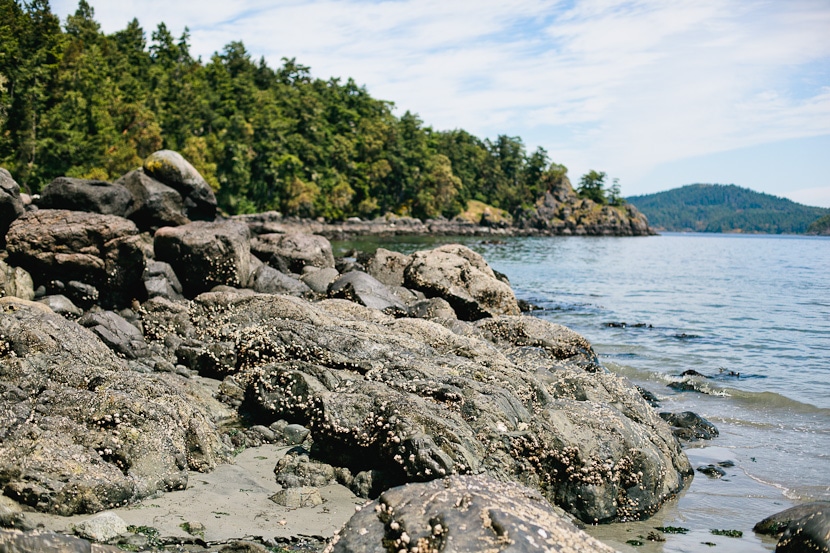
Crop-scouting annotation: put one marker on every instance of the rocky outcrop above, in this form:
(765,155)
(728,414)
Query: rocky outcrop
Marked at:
(94,196)
(462,277)
(101,253)
(293,252)
(462,514)
(81,431)
(170,168)
(205,254)
(414,400)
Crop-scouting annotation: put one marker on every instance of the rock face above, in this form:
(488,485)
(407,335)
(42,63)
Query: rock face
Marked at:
(293,252)
(364,289)
(462,277)
(155,204)
(16,282)
(461,514)
(86,195)
(561,211)
(11,206)
(170,168)
(100,251)
(205,255)
(518,398)
(81,432)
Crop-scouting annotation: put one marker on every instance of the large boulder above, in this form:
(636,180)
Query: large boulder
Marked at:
(155,204)
(463,278)
(463,514)
(11,206)
(170,168)
(415,400)
(95,196)
(268,280)
(801,528)
(83,433)
(388,266)
(366,290)
(102,252)
(293,252)
(205,254)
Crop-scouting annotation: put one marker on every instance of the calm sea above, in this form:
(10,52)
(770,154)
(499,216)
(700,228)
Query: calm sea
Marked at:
(750,313)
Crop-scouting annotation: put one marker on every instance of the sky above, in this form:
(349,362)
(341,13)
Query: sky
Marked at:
(656,93)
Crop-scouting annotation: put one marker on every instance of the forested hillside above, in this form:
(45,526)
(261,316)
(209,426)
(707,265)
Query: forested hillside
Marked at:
(725,208)
(77,102)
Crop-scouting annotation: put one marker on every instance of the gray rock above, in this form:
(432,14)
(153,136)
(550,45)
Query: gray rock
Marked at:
(320,280)
(155,204)
(297,469)
(215,360)
(432,308)
(102,251)
(462,514)
(16,282)
(117,333)
(712,471)
(777,523)
(161,281)
(61,305)
(388,266)
(81,293)
(170,168)
(11,204)
(39,541)
(295,434)
(303,496)
(102,527)
(293,252)
(267,280)
(85,433)
(86,195)
(807,533)
(420,401)
(204,255)
(464,279)
(366,290)
(690,426)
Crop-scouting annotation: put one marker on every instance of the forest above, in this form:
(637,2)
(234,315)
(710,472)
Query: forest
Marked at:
(77,102)
(725,208)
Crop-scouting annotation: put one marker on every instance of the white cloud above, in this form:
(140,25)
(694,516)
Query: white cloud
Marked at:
(622,86)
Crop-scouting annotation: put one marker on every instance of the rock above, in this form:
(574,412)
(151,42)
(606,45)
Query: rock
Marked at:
(61,305)
(370,483)
(117,333)
(170,168)
(11,205)
(39,541)
(267,280)
(102,251)
(810,532)
(102,527)
(204,255)
(464,279)
(777,523)
(155,204)
(418,400)
(16,282)
(303,496)
(432,308)
(241,546)
(82,432)
(366,290)
(712,471)
(216,360)
(160,280)
(296,469)
(388,266)
(295,434)
(292,252)
(461,514)
(319,281)
(690,426)
(94,196)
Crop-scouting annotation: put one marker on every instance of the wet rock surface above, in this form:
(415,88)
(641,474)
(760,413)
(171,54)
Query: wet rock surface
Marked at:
(464,514)
(801,528)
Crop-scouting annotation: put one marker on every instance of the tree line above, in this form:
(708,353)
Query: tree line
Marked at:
(77,102)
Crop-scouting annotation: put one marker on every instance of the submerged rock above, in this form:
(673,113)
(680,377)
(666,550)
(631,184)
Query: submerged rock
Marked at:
(690,426)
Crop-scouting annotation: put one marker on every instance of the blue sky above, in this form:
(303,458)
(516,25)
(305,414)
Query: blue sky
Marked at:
(656,93)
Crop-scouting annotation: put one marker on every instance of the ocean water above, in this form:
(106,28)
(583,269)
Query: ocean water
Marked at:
(749,313)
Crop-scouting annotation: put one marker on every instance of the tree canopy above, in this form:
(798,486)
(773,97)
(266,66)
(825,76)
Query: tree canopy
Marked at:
(75,101)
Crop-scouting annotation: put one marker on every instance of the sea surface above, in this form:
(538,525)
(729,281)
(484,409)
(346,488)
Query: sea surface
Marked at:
(749,313)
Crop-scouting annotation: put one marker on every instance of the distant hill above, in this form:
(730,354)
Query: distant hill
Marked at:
(725,208)
(820,227)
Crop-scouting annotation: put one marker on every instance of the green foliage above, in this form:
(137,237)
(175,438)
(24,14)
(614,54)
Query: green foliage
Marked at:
(820,226)
(75,101)
(592,186)
(725,208)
